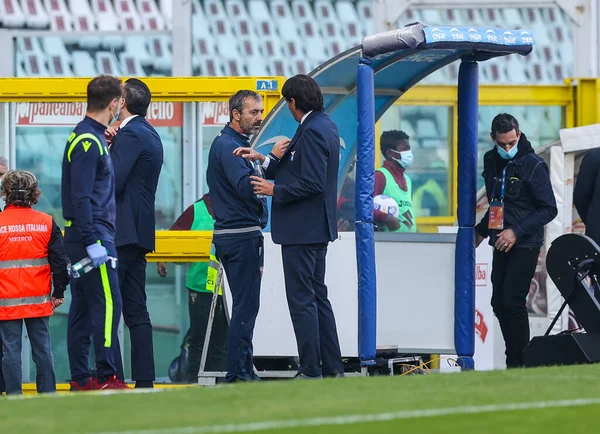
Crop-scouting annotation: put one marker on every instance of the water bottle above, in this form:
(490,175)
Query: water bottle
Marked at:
(258,171)
(85,266)
(80,268)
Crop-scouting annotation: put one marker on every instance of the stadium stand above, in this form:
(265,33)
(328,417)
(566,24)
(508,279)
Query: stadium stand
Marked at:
(234,37)
(265,37)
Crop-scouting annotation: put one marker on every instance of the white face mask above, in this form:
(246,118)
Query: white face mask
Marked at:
(405,160)
(115,117)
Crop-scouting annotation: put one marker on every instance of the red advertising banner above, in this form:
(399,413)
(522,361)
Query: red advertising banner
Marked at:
(215,113)
(50,114)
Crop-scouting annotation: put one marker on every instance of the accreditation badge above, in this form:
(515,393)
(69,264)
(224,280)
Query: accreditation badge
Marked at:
(496,216)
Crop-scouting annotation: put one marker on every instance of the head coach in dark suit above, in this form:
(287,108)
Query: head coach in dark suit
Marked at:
(137,156)
(304,221)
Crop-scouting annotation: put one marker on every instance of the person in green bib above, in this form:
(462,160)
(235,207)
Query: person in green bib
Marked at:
(391,180)
(199,217)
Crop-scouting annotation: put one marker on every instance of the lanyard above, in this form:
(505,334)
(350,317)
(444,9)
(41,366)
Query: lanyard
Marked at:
(503,184)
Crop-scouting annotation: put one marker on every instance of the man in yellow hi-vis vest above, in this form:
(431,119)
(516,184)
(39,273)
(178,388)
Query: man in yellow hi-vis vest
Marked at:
(200,282)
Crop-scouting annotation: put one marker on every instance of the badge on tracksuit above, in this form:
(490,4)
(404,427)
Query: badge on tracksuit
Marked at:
(496,212)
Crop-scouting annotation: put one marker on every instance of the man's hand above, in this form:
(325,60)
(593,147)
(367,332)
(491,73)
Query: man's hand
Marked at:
(97,254)
(262,186)
(478,239)
(249,154)
(392,223)
(110,133)
(162,269)
(506,240)
(343,225)
(56,302)
(280,147)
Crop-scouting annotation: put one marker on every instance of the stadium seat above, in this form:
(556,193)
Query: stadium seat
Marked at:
(236,10)
(160,53)
(234,67)
(365,13)
(136,46)
(151,16)
(351,25)
(324,11)
(107,21)
(85,21)
(227,44)
(35,65)
(35,14)
(107,63)
(311,35)
(11,15)
(212,67)
(214,10)
(131,65)
(28,45)
(58,66)
(278,67)
(302,11)
(128,16)
(83,64)
(59,15)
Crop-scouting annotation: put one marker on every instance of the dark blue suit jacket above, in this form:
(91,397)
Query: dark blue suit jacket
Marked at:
(305,195)
(137,155)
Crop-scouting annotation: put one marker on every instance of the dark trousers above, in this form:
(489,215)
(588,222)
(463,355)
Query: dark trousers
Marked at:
(2,383)
(242,261)
(132,282)
(311,312)
(95,311)
(511,277)
(38,330)
(216,359)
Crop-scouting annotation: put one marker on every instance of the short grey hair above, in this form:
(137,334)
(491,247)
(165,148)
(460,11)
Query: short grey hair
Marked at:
(236,102)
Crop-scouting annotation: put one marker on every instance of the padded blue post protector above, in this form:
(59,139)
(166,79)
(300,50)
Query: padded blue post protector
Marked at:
(365,241)
(464,296)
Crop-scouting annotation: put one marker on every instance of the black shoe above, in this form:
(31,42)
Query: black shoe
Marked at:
(142,384)
(300,376)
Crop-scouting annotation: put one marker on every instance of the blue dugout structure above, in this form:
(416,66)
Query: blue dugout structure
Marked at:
(362,83)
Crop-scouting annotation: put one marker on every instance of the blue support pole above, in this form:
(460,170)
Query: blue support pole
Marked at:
(365,242)
(464,276)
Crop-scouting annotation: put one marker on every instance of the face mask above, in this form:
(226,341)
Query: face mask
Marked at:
(508,155)
(405,160)
(115,117)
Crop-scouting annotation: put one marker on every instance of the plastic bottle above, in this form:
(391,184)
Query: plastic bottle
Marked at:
(258,171)
(80,268)
(85,266)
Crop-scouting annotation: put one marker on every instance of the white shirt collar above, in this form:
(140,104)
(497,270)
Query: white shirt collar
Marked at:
(304,117)
(126,121)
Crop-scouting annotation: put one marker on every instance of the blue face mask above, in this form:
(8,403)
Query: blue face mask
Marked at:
(508,155)
(405,160)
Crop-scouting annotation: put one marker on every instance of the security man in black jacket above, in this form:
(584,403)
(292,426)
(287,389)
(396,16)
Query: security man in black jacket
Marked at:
(521,203)
(586,196)
(240,217)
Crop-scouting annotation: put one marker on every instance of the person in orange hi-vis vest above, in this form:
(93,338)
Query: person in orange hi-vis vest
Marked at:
(32,259)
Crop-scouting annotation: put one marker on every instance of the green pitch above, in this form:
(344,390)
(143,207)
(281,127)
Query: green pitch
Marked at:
(548,400)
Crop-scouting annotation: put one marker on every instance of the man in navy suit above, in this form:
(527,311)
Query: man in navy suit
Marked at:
(137,156)
(303,221)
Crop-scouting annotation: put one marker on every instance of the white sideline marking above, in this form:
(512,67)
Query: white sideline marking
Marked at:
(364,418)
